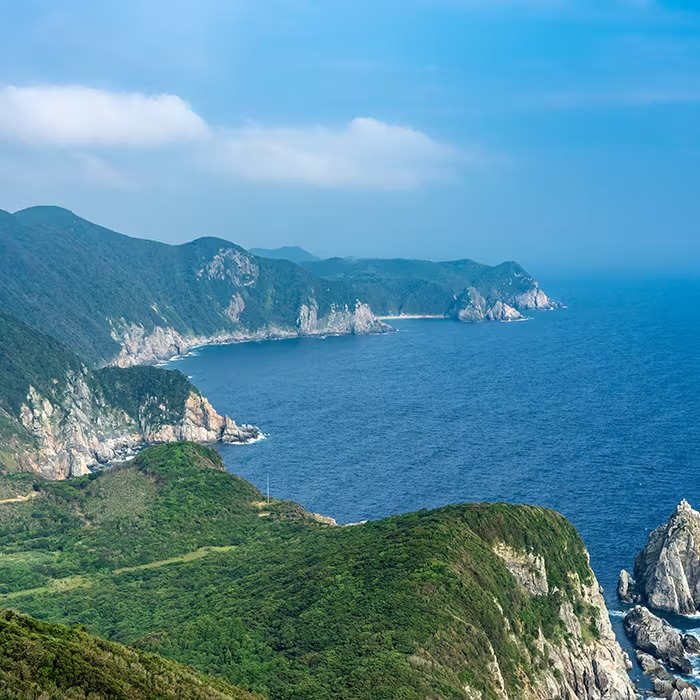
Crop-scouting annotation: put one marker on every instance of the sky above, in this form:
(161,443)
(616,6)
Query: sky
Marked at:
(564,134)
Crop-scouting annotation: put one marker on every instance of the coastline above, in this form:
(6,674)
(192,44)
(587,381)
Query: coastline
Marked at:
(407,316)
(236,340)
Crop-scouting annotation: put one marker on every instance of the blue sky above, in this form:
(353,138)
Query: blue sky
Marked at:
(561,133)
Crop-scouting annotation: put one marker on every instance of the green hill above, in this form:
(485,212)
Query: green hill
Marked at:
(112,298)
(53,662)
(173,555)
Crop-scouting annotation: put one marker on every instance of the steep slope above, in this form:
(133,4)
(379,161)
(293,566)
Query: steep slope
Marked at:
(462,289)
(53,662)
(667,570)
(120,300)
(174,555)
(293,253)
(59,418)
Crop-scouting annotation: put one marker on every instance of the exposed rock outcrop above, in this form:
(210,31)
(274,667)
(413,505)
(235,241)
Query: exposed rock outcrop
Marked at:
(691,644)
(142,346)
(583,666)
(528,569)
(627,589)
(667,570)
(657,637)
(83,430)
(472,306)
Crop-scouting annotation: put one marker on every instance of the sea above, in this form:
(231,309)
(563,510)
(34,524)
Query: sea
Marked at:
(592,410)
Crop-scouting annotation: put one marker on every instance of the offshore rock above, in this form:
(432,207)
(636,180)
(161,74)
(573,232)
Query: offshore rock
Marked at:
(667,570)
(627,589)
(655,636)
(691,644)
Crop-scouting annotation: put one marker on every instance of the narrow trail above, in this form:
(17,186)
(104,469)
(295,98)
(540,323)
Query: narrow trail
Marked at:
(19,499)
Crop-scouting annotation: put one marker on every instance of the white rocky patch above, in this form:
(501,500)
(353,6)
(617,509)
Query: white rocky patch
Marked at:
(233,265)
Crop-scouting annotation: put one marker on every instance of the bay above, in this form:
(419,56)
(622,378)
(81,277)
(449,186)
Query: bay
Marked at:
(592,410)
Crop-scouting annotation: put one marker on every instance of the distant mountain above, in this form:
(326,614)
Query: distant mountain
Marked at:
(120,300)
(463,289)
(123,301)
(54,662)
(293,253)
(59,418)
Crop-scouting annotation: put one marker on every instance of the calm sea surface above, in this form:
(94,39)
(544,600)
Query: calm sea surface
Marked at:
(593,411)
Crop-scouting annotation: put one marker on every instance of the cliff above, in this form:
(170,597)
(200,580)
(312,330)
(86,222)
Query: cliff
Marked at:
(585,662)
(667,570)
(489,601)
(59,419)
(140,346)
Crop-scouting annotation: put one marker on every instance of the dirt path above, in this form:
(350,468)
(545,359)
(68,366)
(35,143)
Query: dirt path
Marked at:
(19,499)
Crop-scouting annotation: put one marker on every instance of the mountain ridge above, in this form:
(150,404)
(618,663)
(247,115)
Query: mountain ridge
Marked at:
(119,300)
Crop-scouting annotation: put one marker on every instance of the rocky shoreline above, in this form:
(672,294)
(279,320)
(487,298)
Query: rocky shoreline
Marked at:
(666,579)
(83,431)
(162,344)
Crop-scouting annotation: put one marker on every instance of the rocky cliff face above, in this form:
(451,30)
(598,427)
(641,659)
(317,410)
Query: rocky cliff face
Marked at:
(584,665)
(472,306)
(667,570)
(140,346)
(81,429)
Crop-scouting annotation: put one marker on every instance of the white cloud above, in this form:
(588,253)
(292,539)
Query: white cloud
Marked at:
(100,129)
(365,152)
(82,116)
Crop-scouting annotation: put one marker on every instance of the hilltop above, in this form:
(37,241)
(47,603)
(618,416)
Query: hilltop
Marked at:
(293,253)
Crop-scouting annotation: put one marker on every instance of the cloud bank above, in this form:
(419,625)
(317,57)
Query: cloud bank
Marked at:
(74,115)
(364,152)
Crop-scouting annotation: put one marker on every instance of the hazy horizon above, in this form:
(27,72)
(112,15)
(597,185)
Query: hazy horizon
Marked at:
(559,133)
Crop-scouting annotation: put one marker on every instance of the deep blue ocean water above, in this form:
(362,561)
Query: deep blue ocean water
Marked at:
(593,410)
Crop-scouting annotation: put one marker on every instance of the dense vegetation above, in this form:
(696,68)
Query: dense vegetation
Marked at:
(150,395)
(39,661)
(28,358)
(173,555)
(399,286)
(81,283)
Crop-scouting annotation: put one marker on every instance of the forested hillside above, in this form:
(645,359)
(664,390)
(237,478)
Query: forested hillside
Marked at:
(172,554)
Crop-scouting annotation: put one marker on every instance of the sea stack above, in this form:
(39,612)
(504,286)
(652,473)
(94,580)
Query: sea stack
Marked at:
(667,570)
